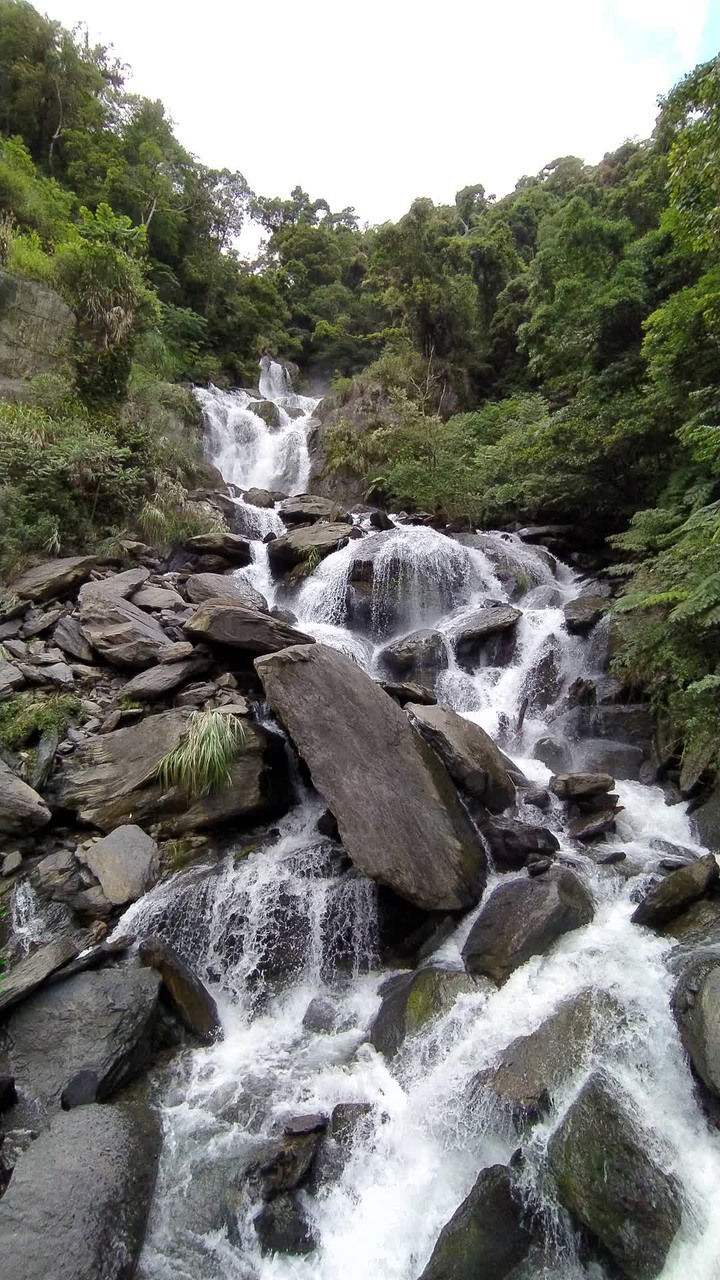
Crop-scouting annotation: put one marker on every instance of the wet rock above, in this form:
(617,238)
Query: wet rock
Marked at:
(305,544)
(11,863)
(583,613)
(554,755)
(469,754)
(230,545)
(706,819)
(487,1236)
(78,1201)
(544,680)
(573,786)
(533,1067)
(68,637)
(54,579)
(404,691)
(696,1004)
(8,1093)
(307,508)
(676,892)
(218,586)
(538,797)
(320,1016)
(412,1000)
(282,1226)
(126,863)
(98,1021)
(238,627)
(472,634)
(523,918)
(21,808)
(120,632)
(284,1163)
(61,878)
(598,1157)
(259,498)
(537,866)
(24,978)
(588,827)
(399,817)
(80,1091)
(612,858)
(697,926)
(158,682)
(381,521)
(512,842)
(418,657)
(189,997)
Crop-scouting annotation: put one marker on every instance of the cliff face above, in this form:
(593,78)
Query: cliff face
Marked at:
(36,333)
(365,408)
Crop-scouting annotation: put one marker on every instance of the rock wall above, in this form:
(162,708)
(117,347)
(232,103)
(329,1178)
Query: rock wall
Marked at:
(36,332)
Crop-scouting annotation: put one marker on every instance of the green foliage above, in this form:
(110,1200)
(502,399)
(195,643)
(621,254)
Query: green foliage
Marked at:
(27,716)
(203,758)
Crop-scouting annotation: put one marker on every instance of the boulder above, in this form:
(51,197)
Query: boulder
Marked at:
(420,656)
(534,1066)
(599,1158)
(523,918)
(126,863)
(120,632)
(68,637)
(259,498)
(79,1198)
(582,613)
(11,679)
(23,978)
(99,1021)
(487,1236)
(470,756)
(304,544)
(307,508)
(472,632)
(404,691)
(412,1000)
(282,1226)
(239,627)
(157,682)
(21,808)
(230,545)
(696,1005)
(590,826)
(158,598)
(178,651)
(189,997)
(574,786)
(511,843)
(54,578)
(218,586)
(397,812)
(61,878)
(676,892)
(114,586)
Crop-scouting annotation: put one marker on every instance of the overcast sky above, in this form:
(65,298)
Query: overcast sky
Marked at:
(373,103)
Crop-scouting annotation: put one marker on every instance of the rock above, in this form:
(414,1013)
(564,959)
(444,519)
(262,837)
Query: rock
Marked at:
(582,614)
(11,863)
(305,543)
(706,819)
(399,818)
(598,1157)
(414,999)
(471,633)
(99,1021)
(523,918)
(591,826)
(8,1093)
(235,625)
(259,498)
(573,786)
(610,859)
(284,1163)
(268,410)
(79,1198)
(320,1016)
(537,866)
(120,632)
(487,1236)
(535,1066)
(11,679)
(217,586)
(189,997)
(307,508)
(380,520)
(126,862)
(696,1005)
(115,586)
(420,656)
(80,1091)
(61,878)
(282,1227)
(158,682)
(178,652)
(21,808)
(54,579)
(20,981)
(68,637)
(511,842)
(404,691)
(538,797)
(59,674)
(230,545)
(469,754)
(158,598)
(676,892)
(555,755)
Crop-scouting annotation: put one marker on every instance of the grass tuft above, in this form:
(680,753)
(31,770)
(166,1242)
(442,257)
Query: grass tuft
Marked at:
(201,761)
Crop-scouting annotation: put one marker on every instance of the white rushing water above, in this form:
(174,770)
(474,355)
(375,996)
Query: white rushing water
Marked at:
(290,922)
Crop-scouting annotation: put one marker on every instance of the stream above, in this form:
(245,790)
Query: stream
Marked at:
(289,923)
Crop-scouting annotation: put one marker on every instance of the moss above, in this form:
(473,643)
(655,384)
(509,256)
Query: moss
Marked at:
(130,704)
(28,716)
(423,1003)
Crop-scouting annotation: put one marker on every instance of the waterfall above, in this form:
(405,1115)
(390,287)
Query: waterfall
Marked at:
(287,926)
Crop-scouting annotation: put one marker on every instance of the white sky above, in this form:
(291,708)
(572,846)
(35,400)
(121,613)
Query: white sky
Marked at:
(372,104)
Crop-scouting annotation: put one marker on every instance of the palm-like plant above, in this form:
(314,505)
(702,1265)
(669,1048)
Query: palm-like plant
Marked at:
(202,760)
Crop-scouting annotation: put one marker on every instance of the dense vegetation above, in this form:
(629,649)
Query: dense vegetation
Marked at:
(550,355)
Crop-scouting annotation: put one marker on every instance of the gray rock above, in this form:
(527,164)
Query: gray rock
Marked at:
(706,819)
(23,978)
(487,1236)
(60,675)
(239,627)
(11,679)
(120,632)
(230,545)
(126,862)
(99,1021)
(399,818)
(218,586)
(511,843)
(572,786)
(54,579)
(582,614)
(420,656)
(115,586)
(404,691)
(308,508)
(11,863)
(282,1226)
(676,892)
(189,997)
(158,598)
(21,808)
(696,1004)
(78,1201)
(320,1016)
(523,918)
(590,826)
(412,1000)
(472,633)
(555,755)
(259,498)
(297,546)
(157,682)
(68,637)
(598,1157)
(469,754)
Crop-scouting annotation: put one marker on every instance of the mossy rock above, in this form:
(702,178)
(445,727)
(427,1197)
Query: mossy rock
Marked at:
(413,1000)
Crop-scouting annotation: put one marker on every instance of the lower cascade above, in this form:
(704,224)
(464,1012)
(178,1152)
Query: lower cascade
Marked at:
(464,1068)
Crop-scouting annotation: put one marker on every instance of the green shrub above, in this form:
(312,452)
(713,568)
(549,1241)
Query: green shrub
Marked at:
(28,715)
(202,759)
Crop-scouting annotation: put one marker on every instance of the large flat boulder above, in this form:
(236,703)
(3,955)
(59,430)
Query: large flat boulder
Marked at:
(412,1000)
(220,586)
(606,1178)
(68,637)
(487,1236)
(308,508)
(126,863)
(584,612)
(160,681)
(120,632)
(11,679)
(398,814)
(419,656)
(239,627)
(101,1022)
(304,544)
(469,754)
(21,808)
(676,892)
(79,1198)
(523,918)
(23,978)
(230,545)
(115,586)
(696,1005)
(472,633)
(189,997)
(54,579)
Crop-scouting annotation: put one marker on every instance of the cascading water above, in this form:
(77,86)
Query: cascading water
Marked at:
(278,929)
